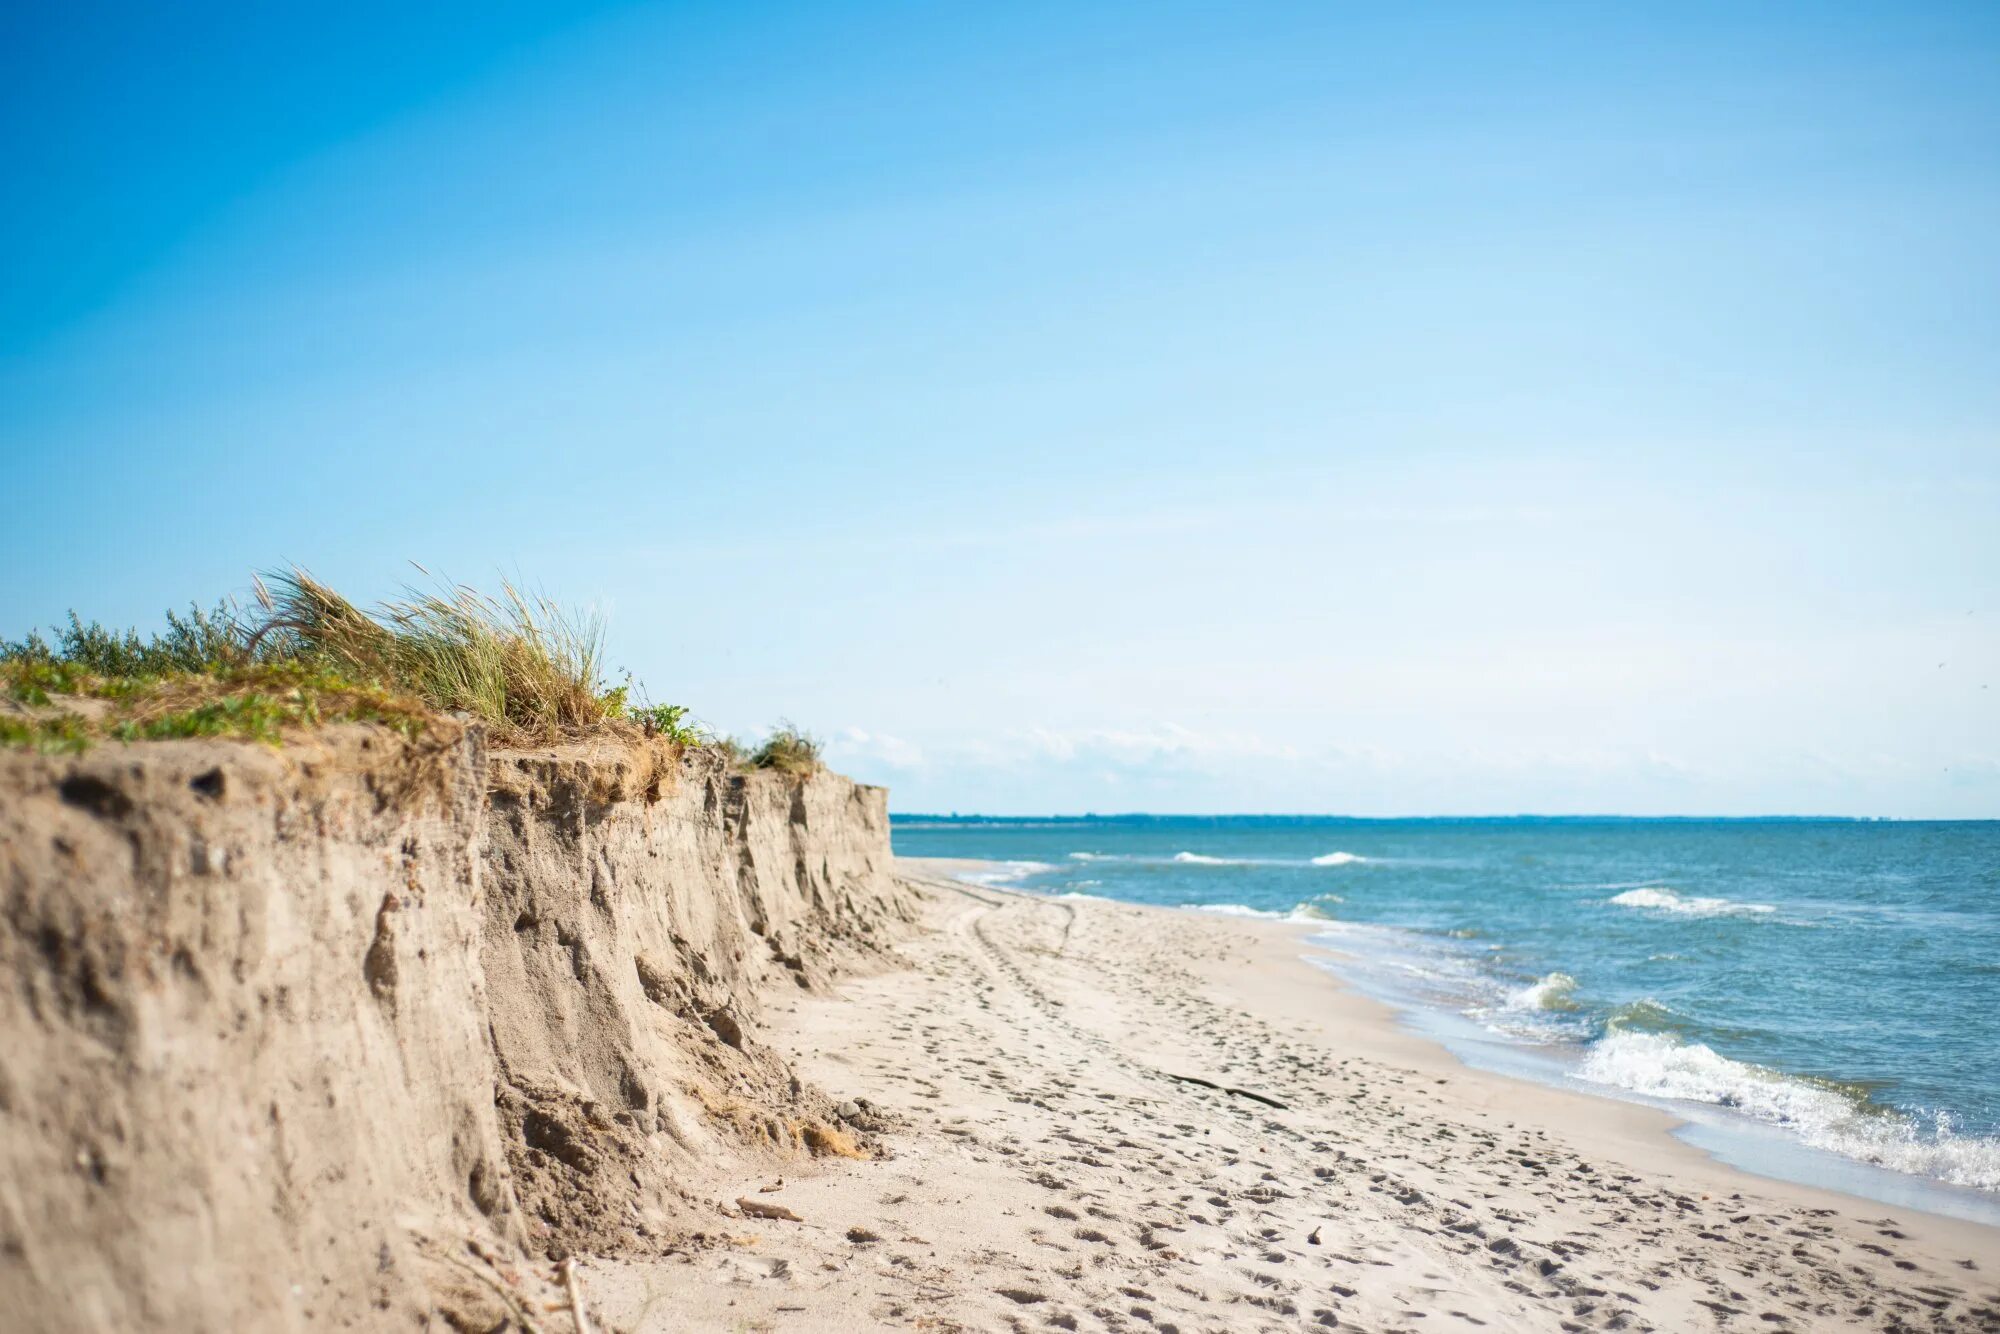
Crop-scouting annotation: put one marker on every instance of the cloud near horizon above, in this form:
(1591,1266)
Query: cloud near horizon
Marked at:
(1173,769)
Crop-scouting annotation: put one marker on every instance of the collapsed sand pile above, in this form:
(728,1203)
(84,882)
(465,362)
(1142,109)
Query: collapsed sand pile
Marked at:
(343,1035)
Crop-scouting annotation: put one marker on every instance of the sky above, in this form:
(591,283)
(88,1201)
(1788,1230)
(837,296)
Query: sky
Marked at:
(1347,408)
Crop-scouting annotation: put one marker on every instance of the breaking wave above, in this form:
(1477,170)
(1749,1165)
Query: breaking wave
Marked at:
(1824,1114)
(1304,912)
(1548,993)
(1661,899)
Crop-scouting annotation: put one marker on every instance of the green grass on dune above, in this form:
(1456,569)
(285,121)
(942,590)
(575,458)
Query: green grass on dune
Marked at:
(256,701)
(788,750)
(528,668)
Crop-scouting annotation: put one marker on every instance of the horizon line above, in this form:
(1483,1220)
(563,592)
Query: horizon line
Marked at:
(957,817)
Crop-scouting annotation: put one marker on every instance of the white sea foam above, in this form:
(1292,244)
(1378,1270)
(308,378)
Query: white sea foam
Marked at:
(1548,993)
(1617,884)
(1003,873)
(1303,912)
(1823,1115)
(1660,899)
(1205,859)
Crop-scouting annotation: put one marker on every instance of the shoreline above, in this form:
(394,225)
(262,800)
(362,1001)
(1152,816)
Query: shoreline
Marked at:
(1654,1119)
(1712,1131)
(1760,1149)
(1645,1127)
(1107,1115)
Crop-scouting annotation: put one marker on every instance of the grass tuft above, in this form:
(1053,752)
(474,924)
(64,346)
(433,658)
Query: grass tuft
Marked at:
(831,1141)
(524,665)
(63,734)
(789,749)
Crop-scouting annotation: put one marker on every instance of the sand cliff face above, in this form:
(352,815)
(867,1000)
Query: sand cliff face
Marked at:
(631,916)
(337,1035)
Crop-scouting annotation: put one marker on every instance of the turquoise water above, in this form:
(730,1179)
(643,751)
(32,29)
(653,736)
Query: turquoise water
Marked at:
(1835,981)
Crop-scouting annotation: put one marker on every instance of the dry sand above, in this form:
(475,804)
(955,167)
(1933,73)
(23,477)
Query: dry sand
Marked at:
(1050,1172)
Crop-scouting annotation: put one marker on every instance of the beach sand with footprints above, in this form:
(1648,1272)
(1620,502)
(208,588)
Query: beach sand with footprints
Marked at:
(1103,1116)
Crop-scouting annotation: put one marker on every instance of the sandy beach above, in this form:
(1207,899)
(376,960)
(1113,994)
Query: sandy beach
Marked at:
(1100,1115)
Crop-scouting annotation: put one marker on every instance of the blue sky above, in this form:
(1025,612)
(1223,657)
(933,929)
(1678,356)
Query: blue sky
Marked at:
(1311,407)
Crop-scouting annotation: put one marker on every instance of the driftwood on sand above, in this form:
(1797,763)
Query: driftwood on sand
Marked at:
(1224,1088)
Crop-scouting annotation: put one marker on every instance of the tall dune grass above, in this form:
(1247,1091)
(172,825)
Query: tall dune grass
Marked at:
(523,664)
(529,668)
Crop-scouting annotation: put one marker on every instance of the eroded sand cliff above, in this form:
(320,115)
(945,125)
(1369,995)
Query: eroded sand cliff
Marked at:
(340,1035)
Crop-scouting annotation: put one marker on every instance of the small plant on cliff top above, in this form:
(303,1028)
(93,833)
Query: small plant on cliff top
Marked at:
(789,749)
(196,642)
(668,721)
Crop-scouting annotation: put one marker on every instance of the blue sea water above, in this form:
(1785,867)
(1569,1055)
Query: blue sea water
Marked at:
(1834,984)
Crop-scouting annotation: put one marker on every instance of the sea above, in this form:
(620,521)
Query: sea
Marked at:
(1818,1000)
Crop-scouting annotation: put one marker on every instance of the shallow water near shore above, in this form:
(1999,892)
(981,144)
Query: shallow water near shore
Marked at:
(1818,998)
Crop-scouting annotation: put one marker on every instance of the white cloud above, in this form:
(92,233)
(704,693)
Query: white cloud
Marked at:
(867,751)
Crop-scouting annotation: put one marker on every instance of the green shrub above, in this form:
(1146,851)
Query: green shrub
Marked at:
(669,721)
(192,643)
(789,749)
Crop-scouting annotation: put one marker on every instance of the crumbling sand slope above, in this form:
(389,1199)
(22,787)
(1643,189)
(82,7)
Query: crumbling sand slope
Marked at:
(332,1037)
(634,905)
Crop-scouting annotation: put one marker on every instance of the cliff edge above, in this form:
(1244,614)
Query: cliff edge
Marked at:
(361,1032)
